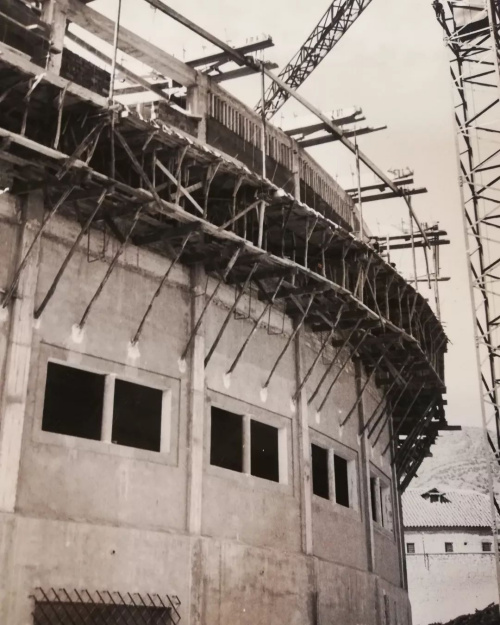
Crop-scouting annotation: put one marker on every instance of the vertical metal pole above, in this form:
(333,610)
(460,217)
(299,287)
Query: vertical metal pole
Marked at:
(360,201)
(263,146)
(435,252)
(115,50)
(415,277)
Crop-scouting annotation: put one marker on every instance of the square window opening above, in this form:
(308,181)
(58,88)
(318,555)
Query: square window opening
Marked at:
(340,467)
(486,546)
(448,547)
(73,402)
(410,547)
(264,457)
(137,416)
(226,440)
(320,482)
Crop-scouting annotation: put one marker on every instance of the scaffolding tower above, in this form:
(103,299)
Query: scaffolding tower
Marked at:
(472,35)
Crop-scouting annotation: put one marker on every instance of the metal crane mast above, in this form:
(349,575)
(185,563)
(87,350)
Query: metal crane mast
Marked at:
(472,35)
(337,20)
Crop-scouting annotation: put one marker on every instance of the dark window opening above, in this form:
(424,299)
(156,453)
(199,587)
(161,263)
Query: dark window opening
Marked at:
(448,547)
(226,440)
(264,451)
(73,402)
(137,416)
(410,547)
(341,481)
(373,498)
(486,546)
(320,483)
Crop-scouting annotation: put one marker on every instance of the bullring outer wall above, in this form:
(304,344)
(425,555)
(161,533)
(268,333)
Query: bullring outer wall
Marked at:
(233,547)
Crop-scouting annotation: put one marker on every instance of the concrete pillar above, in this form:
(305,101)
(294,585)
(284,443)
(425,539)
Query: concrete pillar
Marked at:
(54,14)
(19,347)
(398,516)
(364,482)
(196,425)
(197,103)
(196,414)
(304,450)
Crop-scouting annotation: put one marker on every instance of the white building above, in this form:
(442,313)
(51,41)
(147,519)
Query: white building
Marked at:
(449,553)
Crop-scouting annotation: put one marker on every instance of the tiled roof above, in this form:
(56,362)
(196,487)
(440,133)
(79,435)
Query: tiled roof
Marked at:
(460,509)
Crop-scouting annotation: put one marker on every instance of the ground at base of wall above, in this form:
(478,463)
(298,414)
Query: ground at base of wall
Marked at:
(488,616)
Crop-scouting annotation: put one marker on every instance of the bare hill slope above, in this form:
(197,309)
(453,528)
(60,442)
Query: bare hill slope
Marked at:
(458,462)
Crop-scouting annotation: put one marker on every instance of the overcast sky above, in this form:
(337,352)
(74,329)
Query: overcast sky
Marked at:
(393,64)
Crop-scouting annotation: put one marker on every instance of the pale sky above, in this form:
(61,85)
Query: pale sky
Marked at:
(392,63)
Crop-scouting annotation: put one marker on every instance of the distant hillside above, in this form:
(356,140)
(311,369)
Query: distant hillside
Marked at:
(488,616)
(458,462)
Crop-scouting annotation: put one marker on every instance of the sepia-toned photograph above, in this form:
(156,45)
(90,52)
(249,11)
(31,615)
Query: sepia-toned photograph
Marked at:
(249,312)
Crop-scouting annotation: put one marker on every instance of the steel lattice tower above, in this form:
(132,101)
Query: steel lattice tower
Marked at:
(471,33)
(337,20)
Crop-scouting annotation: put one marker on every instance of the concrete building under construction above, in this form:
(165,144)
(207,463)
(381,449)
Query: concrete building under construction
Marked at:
(213,388)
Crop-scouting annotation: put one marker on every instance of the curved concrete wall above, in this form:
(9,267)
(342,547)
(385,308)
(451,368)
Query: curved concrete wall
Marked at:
(235,548)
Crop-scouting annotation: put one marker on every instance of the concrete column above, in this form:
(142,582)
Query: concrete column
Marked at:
(54,14)
(196,425)
(196,414)
(364,482)
(304,450)
(197,103)
(398,517)
(19,347)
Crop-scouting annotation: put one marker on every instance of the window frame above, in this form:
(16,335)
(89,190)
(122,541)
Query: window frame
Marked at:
(412,550)
(488,543)
(351,457)
(450,549)
(170,388)
(383,494)
(248,414)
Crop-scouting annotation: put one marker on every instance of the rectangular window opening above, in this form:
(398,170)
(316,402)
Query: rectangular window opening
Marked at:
(73,402)
(410,547)
(340,468)
(226,440)
(137,416)
(486,546)
(320,482)
(374,499)
(448,547)
(264,458)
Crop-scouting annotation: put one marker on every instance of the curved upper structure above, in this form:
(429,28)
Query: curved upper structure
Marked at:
(223,340)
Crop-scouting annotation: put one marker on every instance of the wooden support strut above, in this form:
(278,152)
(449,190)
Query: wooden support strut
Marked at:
(229,266)
(246,210)
(290,339)
(402,453)
(320,351)
(367,381)
(255,326)
(48,216)
(334,360)
(180,188)
(388,416)
(159,288)
(112,265)
(228,316)
(69,255)
(405,416)
(382,400)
